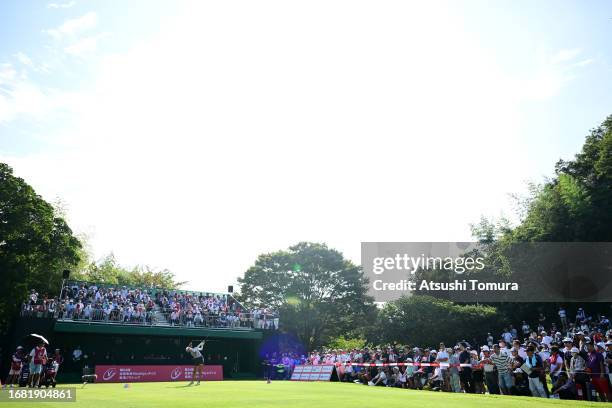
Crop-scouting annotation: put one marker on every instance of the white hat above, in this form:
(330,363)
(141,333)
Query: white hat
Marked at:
(485,348)
(567,340)
(574,350)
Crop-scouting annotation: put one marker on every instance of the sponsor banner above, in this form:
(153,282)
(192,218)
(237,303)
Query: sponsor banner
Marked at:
(312,373)
(144,373)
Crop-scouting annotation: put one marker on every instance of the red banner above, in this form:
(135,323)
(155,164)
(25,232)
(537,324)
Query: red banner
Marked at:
(143,373)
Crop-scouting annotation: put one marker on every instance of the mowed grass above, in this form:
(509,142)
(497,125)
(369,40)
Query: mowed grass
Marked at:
(281,394)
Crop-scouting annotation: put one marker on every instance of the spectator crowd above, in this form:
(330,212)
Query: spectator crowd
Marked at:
(103,303)
(205,309)
(571,362)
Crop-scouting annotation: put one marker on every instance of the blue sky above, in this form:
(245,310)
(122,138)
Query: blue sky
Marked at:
(195,135)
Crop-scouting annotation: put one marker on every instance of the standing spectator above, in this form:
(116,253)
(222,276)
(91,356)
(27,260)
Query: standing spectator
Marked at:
(555,362)
(526,329)
(608,357)
(568,343)
(442,359)
(604,323)
(513,332)
(454,370)
(33,298)
(489,371)
(534,362)
(578,369)
(580,316)
(77,354)
(465,373)
(503,362)
(507,336)
(477,373)
(595,367)
(520,350)
(563,316)
(546,339)
(542,319)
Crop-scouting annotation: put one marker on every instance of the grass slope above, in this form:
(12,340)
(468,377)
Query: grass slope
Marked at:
(281,394)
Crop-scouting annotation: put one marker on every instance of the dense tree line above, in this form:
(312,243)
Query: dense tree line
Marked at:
(37,245)
(108,270)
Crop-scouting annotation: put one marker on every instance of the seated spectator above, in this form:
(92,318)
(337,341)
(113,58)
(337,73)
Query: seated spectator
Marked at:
(380,379)
(564,387)
(521,384)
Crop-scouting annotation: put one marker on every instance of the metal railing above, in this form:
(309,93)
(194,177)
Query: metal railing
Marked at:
(154,317)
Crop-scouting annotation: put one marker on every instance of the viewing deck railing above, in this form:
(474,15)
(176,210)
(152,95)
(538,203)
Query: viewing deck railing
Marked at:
(158,318)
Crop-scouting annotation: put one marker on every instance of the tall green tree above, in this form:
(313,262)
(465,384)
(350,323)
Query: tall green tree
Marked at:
(573,206)
(319,293)
(108,270)
(576,204)
(36,244)
(424,321)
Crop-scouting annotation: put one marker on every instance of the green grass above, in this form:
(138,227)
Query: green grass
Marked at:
(282,394)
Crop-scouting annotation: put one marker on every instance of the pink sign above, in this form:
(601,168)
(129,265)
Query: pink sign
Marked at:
(142,373)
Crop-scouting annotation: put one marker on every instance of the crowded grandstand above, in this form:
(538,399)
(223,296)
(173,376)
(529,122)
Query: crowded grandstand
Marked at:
(82,301)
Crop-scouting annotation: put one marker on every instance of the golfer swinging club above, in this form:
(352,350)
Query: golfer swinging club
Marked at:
(198,360)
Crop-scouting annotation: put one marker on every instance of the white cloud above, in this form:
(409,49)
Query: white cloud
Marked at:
(24,59)
(585,62)
(84,46)
(74,26)
(22,96)
(552,72)
(7,73)
(565,55)
(61,5)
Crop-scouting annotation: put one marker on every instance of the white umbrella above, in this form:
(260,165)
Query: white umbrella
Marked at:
(39,337)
